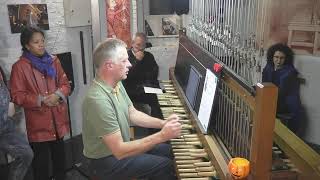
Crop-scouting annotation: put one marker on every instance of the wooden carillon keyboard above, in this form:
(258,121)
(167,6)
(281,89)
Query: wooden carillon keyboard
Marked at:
(243,125)
(192,160)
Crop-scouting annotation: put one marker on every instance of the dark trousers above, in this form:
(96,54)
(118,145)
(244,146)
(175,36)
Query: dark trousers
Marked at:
(44,152)
(16,145)
(156,164)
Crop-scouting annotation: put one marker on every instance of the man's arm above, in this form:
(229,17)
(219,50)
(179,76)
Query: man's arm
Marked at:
(121,149)
(141,119)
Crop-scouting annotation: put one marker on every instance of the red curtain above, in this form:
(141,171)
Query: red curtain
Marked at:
(118,20)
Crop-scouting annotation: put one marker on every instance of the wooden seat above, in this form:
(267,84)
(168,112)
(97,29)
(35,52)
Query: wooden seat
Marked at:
(304,28)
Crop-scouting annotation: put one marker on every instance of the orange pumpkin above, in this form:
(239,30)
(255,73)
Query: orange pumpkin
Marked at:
(239,167)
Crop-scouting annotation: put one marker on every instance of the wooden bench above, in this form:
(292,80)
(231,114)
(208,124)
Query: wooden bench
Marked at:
(304,28)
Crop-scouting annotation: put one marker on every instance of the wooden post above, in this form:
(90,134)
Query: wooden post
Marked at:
(315,41)
(262,134)
(132,133)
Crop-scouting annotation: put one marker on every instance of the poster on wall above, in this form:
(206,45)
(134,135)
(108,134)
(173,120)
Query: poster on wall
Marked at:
(298,26)
(168,27)
(118,20)
(22,15)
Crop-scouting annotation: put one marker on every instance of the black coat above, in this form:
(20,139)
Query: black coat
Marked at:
(288,93)
(142,73)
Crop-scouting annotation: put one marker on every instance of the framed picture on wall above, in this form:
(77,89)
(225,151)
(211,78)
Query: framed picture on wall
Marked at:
(21,15)
(168,27)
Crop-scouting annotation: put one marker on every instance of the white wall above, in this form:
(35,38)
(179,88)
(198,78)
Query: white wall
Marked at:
(58,39)
(309,66)
(134,16)
(140,15)
(165,50)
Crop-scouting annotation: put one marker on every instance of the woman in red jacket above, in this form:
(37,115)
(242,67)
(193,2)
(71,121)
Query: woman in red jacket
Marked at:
(40,86)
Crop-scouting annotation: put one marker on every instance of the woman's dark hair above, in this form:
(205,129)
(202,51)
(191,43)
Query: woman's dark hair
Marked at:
(26,35)
(3,76)
(282,48)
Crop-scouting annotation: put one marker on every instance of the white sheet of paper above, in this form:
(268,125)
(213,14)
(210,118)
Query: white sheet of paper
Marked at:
(152,90)
(207,98)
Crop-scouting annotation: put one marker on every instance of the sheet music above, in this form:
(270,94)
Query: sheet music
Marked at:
(208,93)
(151,90)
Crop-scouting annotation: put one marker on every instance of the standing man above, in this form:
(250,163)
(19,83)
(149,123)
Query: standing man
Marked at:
(107,111)
(144,72)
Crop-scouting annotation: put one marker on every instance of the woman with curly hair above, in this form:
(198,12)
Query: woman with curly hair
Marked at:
(280,71)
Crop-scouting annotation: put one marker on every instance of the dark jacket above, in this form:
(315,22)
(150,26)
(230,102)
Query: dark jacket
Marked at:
(6,124)
(142,73)
(288,94)
(43,123)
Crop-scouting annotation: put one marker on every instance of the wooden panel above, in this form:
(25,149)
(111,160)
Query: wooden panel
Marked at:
(263,125)
(212,147)
(262,101)
(236,87)
(191,54)
(218,160)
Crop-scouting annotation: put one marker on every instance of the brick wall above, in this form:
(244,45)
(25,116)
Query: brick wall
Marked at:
(56,40)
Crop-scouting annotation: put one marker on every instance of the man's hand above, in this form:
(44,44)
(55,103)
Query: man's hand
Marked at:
(139,55)
(11,110)
(51,100)
(173,117)
(171,129)
(170,118)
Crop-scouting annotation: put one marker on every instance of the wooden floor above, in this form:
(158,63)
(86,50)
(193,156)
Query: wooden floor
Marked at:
(71,175)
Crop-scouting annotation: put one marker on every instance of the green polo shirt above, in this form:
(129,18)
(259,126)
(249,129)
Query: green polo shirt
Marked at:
(104,112)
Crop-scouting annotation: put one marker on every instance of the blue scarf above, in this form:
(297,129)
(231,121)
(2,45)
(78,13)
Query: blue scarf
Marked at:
(42,64)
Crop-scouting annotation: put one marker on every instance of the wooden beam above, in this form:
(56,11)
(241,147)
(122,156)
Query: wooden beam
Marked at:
(218,160)
(262,133)
(300,154)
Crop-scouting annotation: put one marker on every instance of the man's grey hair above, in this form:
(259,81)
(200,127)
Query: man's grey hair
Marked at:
(107,50)
(141,35)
